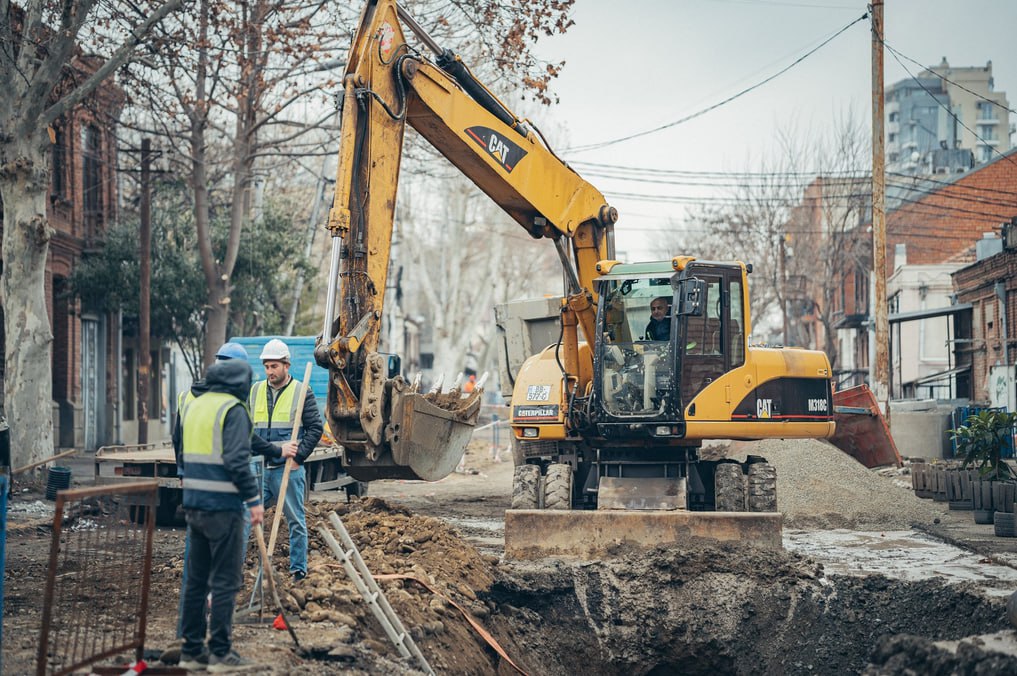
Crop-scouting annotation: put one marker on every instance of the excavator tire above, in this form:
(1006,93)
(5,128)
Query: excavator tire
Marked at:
(526,487)
(762,494)
(729,482)
(558,486)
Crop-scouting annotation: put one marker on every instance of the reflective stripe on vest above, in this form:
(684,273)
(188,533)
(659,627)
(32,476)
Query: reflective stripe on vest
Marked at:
(202,421)
(183,399)
(284,414)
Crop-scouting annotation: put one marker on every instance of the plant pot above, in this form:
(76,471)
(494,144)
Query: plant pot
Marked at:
(1003,495)
(981,500)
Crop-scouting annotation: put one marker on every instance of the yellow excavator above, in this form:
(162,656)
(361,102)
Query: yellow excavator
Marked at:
(608,417)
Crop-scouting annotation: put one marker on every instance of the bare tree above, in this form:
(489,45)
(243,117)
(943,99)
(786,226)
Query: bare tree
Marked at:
(462,262)
(823,230)
(42,50)
(250,93)
(795,218)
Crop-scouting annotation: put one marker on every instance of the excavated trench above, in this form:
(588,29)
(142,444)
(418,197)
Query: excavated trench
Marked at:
(715,609)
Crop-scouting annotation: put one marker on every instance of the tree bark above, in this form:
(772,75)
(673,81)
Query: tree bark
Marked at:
(28,389)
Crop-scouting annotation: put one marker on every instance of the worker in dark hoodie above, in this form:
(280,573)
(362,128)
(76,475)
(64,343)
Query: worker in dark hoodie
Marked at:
(218,486)
(262,451)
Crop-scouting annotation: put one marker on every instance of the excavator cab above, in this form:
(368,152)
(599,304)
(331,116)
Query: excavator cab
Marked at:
(648,368)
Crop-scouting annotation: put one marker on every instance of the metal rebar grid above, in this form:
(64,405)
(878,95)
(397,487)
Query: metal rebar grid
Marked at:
(95,603)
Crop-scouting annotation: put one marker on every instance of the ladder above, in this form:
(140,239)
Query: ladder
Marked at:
(346,551)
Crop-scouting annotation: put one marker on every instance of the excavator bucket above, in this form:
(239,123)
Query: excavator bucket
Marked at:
(862,431)
(430,432)
(425,436)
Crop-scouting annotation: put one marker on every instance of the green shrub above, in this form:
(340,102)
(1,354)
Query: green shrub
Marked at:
(982,440)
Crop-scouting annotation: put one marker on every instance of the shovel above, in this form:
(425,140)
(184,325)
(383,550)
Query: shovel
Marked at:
(266,565)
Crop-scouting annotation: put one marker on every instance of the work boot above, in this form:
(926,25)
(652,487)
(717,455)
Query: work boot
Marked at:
(193,662)
(227,663)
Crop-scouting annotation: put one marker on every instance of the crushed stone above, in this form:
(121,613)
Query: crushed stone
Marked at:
(821,487)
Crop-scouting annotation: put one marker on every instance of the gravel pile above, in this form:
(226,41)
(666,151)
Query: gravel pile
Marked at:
(821,487)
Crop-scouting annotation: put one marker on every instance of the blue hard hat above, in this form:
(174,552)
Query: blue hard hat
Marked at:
(231,351)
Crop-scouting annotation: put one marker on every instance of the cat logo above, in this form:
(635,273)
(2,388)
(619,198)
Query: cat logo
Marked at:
(505,152)
(764,408)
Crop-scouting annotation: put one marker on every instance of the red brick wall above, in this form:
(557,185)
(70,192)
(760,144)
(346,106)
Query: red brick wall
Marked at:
(952,218)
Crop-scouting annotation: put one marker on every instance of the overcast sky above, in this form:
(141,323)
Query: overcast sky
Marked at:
(636,65)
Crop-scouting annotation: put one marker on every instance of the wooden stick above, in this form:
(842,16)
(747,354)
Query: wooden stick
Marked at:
(22,470)
(299,415)
(266,566)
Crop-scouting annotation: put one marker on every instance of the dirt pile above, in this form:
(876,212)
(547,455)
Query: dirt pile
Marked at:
(438,578)
(821,487)
(905,655)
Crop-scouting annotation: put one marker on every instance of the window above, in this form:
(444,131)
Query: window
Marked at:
(891,137)
(861,291)
(92,180)
(58,162)
(637,363)
(736,323)
(894,117)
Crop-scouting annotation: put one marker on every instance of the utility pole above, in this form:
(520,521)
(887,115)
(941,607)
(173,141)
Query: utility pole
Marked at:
(880,369)
(783,283)
(145,274)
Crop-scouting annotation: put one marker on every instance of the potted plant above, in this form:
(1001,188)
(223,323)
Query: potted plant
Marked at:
(981,441)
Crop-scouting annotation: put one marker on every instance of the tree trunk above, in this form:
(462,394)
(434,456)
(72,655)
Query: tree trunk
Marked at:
(28,389)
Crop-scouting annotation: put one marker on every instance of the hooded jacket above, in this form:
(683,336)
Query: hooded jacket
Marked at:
(232,378)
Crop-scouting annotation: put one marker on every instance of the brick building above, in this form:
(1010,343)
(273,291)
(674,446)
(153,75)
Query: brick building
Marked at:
(82,202)
(989,334)
(929,220)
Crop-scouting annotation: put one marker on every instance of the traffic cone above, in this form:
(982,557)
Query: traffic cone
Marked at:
(279,623)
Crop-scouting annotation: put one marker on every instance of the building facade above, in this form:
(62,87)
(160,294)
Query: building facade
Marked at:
(989,285)
(87,371)
(946,120)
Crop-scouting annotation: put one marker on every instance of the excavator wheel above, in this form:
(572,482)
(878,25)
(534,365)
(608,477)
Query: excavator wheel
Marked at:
(558,486)
(730,487)
(762,494)
(526,487)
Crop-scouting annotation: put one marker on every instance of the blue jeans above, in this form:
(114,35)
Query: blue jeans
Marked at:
(293,509)
(214,563)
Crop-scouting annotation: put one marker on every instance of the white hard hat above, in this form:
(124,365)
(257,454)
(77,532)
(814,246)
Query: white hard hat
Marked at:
(275,349)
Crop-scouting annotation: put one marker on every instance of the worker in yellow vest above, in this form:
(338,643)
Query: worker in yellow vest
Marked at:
(273,403)
(218,485)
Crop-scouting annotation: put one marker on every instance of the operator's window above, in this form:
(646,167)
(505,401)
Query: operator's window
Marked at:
(736,323)
(703,333)
(637,367)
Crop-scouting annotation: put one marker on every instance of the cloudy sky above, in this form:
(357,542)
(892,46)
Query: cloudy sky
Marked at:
(636,65)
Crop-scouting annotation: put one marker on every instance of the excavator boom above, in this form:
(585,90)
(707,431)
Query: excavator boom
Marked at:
(387,84)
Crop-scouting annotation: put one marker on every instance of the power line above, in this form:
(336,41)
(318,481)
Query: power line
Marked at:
(893,53)
(604,144)
(946,79)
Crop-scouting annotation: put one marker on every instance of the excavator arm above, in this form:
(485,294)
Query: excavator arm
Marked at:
(387,84)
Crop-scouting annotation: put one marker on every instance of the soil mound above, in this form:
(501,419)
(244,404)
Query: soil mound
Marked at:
(821,487)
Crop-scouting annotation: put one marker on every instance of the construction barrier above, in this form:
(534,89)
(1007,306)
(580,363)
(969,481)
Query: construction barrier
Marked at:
(95,602)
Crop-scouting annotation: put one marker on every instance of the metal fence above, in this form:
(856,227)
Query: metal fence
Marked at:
(96,597)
